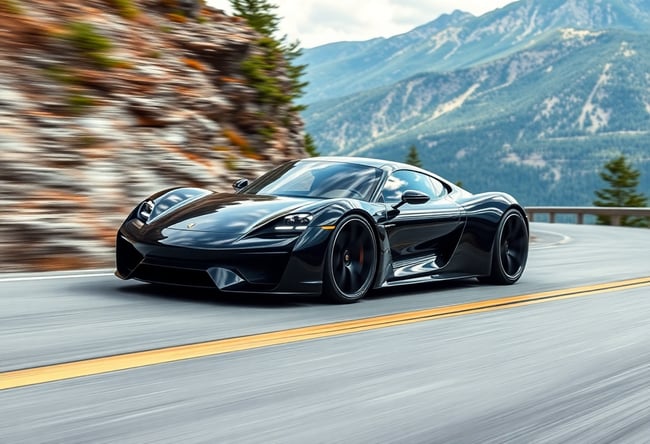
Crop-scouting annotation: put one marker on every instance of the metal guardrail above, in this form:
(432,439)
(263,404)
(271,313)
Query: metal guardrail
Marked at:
(615,213)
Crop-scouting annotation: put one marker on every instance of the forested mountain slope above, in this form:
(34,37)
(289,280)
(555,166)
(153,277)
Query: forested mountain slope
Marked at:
(535,110)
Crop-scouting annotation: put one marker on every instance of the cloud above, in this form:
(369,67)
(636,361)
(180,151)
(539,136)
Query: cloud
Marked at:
(316,22)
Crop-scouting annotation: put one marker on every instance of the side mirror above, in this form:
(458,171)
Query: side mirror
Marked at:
(239,184)
(412,197)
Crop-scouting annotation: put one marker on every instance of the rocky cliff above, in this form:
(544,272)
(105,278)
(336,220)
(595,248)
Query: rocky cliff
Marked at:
(104,101)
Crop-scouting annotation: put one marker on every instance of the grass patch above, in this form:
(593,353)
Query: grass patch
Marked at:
(78,103)
(126,8)
(61,74)
(90,44)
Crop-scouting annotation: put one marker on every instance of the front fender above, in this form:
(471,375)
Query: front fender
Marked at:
(166,200)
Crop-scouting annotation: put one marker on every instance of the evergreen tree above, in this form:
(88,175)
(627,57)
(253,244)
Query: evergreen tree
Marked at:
(413,158)
(262,69)
(310,146)
(259,14)
(623,180)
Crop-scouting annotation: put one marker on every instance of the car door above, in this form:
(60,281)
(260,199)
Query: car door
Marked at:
(423,236)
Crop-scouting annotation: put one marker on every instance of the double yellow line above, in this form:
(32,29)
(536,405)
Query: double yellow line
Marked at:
(57,372)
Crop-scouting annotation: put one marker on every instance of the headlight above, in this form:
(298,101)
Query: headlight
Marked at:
(145,210)
(293,223)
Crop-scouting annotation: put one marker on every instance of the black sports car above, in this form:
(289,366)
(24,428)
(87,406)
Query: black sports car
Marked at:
(333,225)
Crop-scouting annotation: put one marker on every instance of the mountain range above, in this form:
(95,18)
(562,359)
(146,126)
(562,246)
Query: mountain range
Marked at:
(532,98)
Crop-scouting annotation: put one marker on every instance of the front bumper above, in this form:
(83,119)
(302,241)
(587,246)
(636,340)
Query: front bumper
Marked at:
(290,266)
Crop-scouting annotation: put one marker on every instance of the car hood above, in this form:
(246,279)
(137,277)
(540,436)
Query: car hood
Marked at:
(228,213)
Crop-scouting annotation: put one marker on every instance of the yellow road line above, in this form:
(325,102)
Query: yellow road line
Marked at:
(57,372)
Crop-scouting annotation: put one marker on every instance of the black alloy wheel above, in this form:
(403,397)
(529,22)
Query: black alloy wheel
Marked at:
(351,260)
(510,249)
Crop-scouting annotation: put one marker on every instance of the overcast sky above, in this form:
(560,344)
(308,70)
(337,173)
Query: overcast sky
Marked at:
(316,22)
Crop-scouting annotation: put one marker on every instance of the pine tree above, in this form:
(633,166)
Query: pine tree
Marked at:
(277,53)
(413,158)
(310,146)
(623,180)
(259,14)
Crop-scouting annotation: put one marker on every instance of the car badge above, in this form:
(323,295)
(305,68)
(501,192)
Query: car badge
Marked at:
(191,225)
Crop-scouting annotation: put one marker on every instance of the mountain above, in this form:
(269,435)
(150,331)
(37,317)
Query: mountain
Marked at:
(524,104)
(104,102)
(458,40)
(338,69)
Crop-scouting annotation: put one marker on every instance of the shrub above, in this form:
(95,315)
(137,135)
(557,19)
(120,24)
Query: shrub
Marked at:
(78,103)
(126,8)
(90,43)
(61,74)
(268,131)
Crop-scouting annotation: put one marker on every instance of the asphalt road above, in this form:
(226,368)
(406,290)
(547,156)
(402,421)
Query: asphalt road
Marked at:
(569,370)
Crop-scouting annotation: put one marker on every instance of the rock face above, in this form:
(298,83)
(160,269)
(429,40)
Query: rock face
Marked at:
(104,102)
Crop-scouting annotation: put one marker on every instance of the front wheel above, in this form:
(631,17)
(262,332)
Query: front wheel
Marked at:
(510,249)
(350,261)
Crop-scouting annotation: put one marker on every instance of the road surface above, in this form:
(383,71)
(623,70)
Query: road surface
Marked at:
(569,368)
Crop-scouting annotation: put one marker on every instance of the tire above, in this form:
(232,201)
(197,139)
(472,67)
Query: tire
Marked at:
(510,251)
(350,261)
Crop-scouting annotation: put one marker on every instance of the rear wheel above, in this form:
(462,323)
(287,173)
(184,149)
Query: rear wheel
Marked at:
(510,249)
(350,261)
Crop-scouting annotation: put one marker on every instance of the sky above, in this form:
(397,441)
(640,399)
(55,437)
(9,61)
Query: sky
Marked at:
(317,22)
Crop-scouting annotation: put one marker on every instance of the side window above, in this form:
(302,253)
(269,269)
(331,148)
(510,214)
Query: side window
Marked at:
(438,188)
(403,180)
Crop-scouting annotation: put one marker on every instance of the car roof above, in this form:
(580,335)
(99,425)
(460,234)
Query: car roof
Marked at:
(387,165)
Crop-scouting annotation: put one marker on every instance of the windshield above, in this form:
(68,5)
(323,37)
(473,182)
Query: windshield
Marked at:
(318,179)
